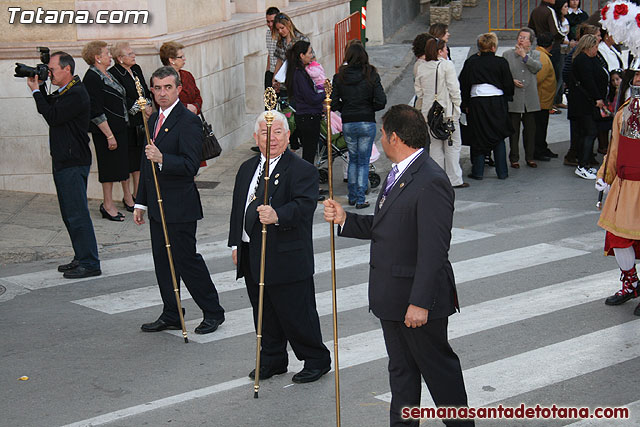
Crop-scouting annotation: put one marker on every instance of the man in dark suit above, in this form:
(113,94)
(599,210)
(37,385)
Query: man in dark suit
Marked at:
(411,285)
(67,114)
(176,149)
(289,296)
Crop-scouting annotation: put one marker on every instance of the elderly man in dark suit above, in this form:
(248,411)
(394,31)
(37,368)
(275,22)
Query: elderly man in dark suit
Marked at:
(289,296)
(411,285)
(176,148)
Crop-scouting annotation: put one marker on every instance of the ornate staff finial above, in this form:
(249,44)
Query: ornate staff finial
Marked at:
(327,88)
(270,98)
(142,102)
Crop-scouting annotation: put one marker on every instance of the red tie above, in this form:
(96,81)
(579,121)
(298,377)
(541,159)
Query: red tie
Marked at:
(158,126)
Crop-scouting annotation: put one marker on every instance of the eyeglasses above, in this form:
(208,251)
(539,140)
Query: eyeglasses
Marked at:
(180,57)
(617,71)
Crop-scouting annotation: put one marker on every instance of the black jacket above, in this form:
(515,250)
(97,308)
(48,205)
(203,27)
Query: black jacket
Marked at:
(410,237)
(485,67)
(180,141)
(125,79)
(587,83)
(105,100)
(68,118)
(356,97)
(293,193)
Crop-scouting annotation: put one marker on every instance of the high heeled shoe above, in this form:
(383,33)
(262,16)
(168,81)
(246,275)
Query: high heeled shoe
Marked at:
(127,207)
(119,217)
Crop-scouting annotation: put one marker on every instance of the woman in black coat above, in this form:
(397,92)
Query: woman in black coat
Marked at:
(358,94)
(125,70)
(486,85)
(108,125)
(587,90)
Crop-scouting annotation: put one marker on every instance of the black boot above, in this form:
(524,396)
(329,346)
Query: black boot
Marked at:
(628,291)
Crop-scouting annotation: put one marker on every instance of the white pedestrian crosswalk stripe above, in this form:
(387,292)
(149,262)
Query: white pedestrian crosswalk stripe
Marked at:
(547,365)
(149,296)
(511,376)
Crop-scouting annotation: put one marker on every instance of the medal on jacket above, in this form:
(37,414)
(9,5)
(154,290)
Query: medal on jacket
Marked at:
(381,201)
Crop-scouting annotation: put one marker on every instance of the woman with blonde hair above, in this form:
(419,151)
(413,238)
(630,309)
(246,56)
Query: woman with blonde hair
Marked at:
(288,35)
(486,83)
(108,127)
(126,71)
(436,77)
(588,83)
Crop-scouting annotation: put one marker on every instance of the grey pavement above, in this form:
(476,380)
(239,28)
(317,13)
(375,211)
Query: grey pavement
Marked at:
(30,223)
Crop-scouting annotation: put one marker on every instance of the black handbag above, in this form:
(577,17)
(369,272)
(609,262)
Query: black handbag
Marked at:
(439,128)
(210,145)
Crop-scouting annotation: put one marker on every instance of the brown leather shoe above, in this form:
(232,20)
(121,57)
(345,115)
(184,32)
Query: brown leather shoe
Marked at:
(532,164)
(515,165)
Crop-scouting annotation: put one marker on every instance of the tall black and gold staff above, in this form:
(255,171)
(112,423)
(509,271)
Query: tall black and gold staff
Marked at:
(142,102)
(270,103)
(327,106)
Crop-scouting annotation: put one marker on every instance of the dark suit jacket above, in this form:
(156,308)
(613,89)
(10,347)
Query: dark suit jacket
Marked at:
(293,190)
(410,239)
(180,141)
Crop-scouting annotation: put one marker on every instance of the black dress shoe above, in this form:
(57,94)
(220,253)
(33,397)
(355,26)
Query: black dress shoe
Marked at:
(159,325)
(208,325)
(119,217)
(267,372)
(472,176)
(542,158)
(551,154)
(362,205)
(619,298)
(127,207)
(352,202)
(80,272)
(309,375)
(66,267)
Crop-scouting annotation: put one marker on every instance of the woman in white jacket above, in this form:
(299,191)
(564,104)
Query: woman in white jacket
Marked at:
(447,156)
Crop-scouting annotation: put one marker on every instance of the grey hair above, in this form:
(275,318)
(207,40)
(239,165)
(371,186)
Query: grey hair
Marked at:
(278,117)
(164,72)
(532,34)
(118,48)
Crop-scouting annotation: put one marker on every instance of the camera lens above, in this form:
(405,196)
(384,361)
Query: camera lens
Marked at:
(23,70)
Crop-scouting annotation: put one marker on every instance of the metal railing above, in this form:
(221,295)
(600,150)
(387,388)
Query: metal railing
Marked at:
(346,30)
(511,15)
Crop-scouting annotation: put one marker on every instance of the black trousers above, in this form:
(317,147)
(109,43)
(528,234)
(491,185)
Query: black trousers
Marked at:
(422,352)
(268,79)
(308,131)
(542,123)
(289,314)
(189,266)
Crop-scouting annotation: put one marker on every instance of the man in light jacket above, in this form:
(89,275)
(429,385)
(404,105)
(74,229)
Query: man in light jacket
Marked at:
(524,64)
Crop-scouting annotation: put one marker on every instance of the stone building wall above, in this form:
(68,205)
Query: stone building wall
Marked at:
(224,48)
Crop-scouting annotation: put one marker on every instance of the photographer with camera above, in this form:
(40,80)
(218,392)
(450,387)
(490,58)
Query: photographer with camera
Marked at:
(66,111)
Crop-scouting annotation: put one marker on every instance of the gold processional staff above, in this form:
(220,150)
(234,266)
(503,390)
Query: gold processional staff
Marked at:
(270,98)
(327,106)
(142,102)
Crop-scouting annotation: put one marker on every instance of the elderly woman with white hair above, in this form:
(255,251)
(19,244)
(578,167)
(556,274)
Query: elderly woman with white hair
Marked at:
(126,71)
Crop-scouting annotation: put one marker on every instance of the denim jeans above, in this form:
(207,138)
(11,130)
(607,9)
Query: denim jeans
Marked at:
(499,157)
(71,186)
(359,137)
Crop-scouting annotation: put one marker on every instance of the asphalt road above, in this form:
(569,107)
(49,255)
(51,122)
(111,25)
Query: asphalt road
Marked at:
(533,328)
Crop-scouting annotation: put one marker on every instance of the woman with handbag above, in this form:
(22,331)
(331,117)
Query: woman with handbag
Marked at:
(358,94)
(437,85)
(125,71)
(172,53)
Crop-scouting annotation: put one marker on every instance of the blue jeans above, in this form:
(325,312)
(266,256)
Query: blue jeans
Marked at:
(359,137)
(499,157)
(71,186)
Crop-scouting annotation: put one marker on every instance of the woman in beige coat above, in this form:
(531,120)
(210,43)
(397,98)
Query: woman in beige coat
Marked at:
(445,154)
(619,175)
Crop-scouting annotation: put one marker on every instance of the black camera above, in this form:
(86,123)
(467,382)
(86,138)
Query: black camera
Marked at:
(40,70)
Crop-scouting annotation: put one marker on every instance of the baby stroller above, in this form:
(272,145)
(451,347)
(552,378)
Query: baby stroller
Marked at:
(339,150)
